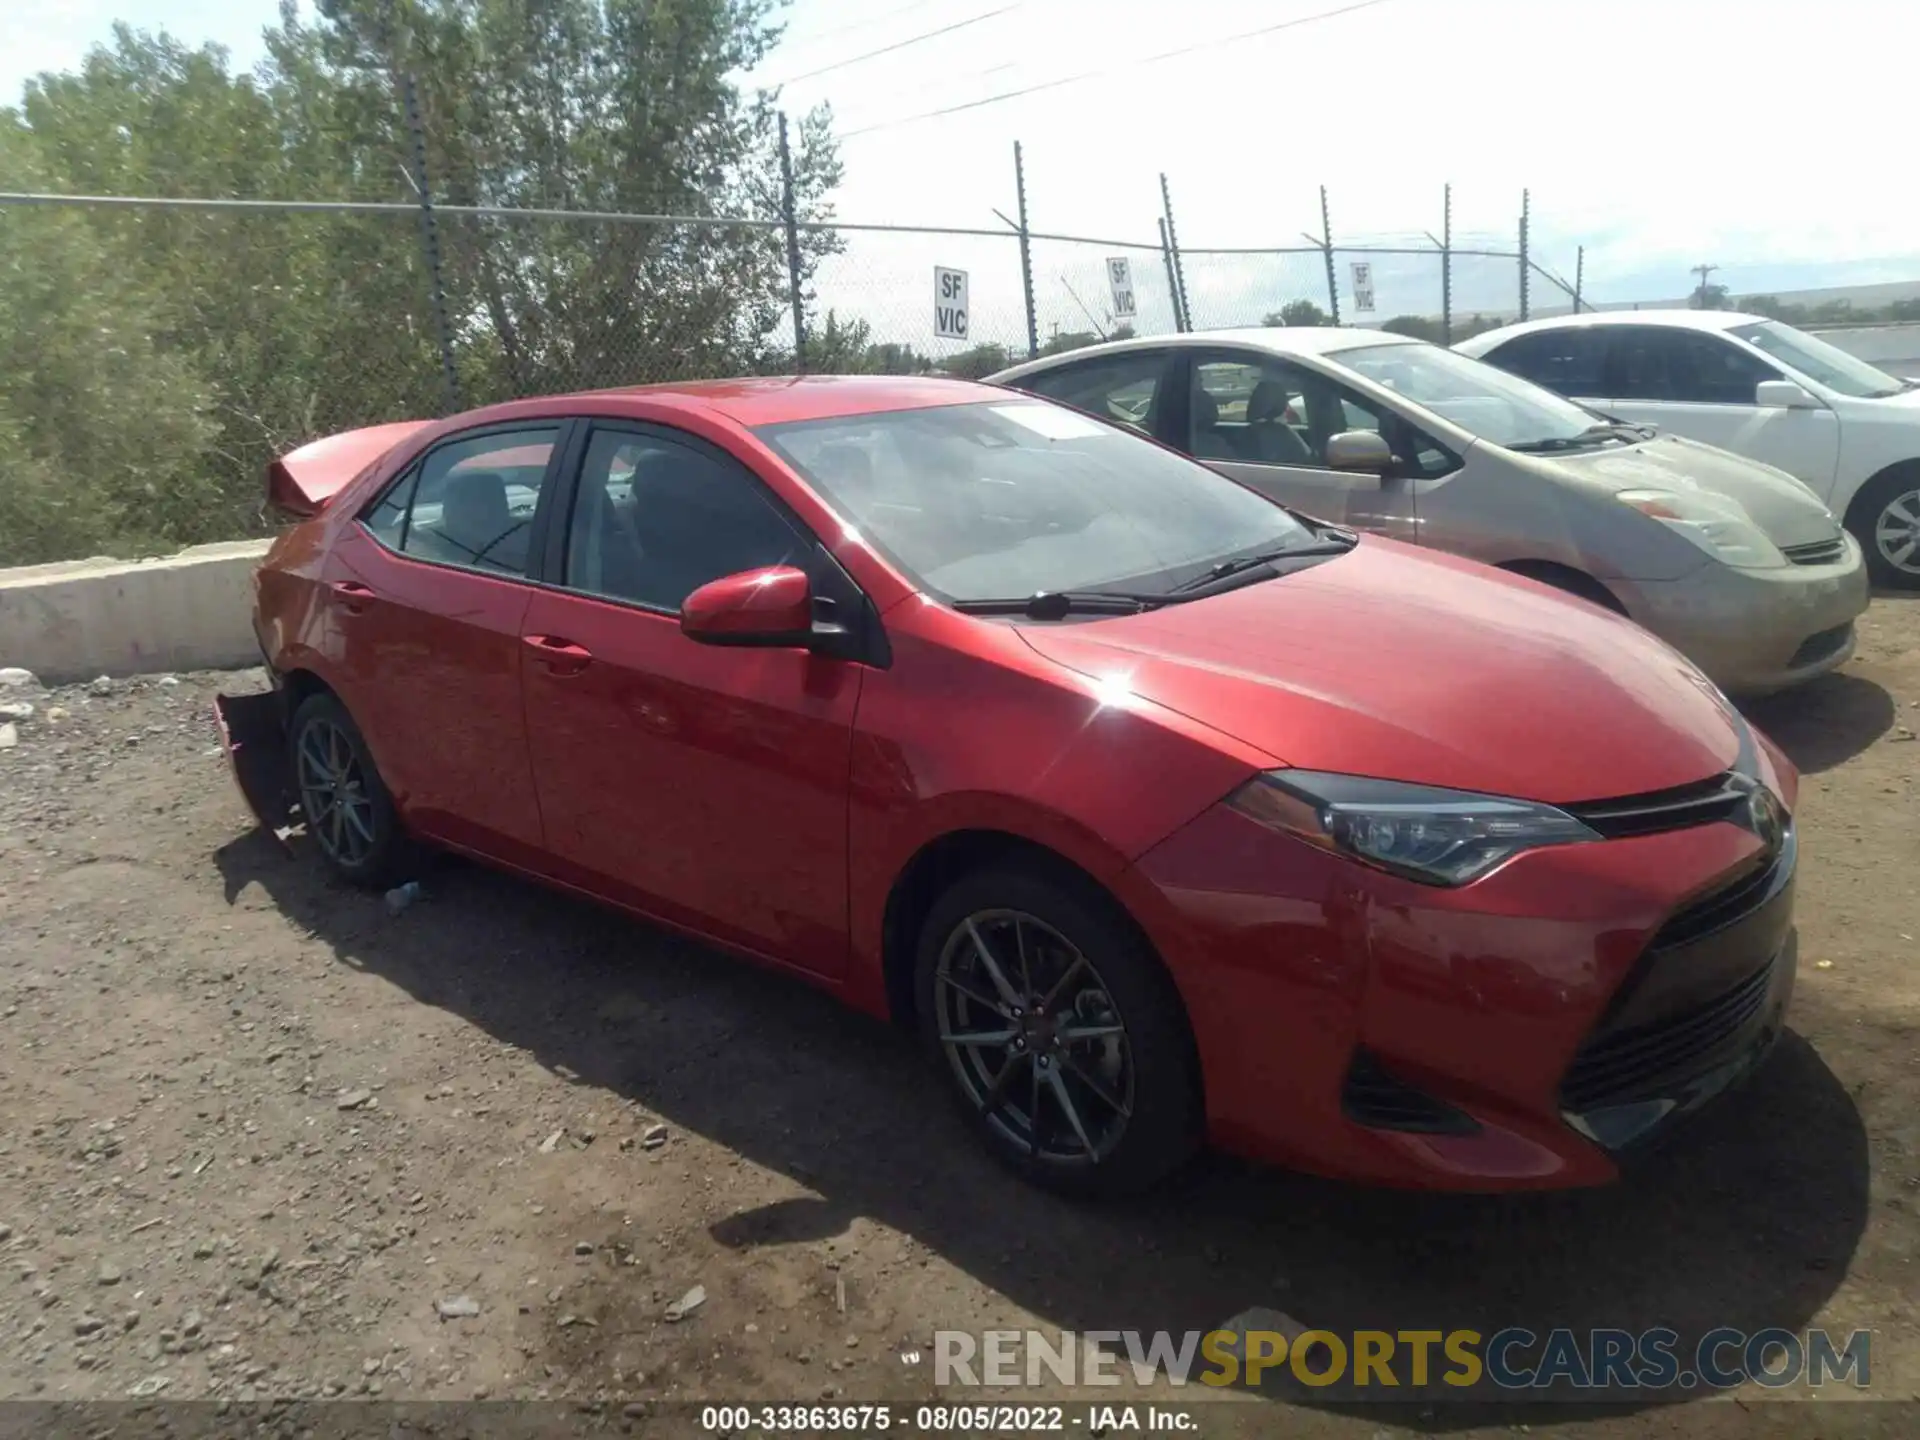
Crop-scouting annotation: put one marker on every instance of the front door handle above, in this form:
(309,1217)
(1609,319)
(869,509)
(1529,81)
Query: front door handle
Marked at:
(352,595)
(561,657)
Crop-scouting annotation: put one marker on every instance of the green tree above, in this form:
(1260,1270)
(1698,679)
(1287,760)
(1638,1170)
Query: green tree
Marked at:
(978,362)
(892,358)
(1421,327)
(1297,312)
(625,106)
(841,349)
(1061,341)
(279,325)
(106,436)
(1709,297)
(1465,328)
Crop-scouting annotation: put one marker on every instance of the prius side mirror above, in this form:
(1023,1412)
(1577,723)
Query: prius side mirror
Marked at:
(1359,451)
(771,608)
(1783,395)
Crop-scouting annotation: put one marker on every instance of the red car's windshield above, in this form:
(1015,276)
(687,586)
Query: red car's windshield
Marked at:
(1015,497)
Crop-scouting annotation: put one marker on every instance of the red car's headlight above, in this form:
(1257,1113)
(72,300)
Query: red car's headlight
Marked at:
(1419,832)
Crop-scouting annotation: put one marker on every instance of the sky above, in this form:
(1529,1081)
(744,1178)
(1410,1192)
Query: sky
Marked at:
(1773,140)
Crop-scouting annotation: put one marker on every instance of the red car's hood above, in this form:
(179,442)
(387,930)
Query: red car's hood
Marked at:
(1411,665)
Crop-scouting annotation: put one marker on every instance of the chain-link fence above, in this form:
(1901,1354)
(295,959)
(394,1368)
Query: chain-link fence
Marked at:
(1075,300)
(240,329)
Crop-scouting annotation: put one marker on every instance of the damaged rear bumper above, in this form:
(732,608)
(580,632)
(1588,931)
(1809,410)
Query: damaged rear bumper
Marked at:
(253,731)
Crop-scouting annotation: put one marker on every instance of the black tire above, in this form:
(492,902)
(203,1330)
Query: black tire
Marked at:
(1150,1066)
(1898,486)
(373,861)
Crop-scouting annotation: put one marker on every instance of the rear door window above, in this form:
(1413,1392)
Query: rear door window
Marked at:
(1571,362)
(469,502)
(1124,389)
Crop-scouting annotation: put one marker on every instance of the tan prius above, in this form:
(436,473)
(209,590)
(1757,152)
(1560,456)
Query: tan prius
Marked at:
(1736,564)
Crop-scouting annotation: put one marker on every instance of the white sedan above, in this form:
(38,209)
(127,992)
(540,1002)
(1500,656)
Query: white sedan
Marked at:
(1752,385)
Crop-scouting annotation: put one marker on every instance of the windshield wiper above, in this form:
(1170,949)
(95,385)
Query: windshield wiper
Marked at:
(1620,430)
(1339,544)
(1554,444)
(1058,604)
(1634,427)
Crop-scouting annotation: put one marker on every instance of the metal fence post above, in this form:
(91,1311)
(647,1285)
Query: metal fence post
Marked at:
(1579,276)
(1172,240)
(793,251)
(1173,281)
(1026,254)
(1446,267)
(1525,278)
(1326,250)
(430,236)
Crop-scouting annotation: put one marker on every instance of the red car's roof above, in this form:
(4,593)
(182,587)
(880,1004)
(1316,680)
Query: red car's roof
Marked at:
(774,399)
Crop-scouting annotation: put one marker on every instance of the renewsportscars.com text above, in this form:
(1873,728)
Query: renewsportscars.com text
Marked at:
(1377,1362)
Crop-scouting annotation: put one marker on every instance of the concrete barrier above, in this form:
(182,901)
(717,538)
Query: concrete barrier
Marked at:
(1894,348)
(82,618)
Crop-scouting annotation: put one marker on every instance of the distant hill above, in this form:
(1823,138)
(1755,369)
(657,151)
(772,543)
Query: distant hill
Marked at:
(1861,297)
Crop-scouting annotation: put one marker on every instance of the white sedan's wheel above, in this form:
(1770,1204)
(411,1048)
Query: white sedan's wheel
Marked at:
(1885,519)
(1896,532)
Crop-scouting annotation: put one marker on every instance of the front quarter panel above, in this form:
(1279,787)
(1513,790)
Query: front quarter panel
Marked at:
(969,729)
(1502,508)
(1873,435)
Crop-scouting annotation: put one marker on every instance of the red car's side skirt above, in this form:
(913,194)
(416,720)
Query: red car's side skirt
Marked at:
(256,744)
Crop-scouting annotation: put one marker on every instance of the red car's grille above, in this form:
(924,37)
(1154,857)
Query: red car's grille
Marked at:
(1698,996)
(1726,906)
(1627,1065)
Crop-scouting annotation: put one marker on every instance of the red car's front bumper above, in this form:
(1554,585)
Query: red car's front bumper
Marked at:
(1528,1031)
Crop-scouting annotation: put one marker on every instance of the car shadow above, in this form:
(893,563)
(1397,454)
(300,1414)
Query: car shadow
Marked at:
(1748,1222)
(1827,722)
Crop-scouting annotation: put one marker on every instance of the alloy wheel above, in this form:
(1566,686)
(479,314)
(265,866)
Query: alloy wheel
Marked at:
(334,797)
(1896,532)
(1034,1037)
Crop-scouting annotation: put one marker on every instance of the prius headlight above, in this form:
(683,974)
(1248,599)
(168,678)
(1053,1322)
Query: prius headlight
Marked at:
(1718,525)
(1420,832)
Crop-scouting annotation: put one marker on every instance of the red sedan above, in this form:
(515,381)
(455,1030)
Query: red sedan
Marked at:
(1165,815)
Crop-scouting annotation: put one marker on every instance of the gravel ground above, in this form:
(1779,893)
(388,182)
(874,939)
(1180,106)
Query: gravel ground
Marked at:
(260,1138)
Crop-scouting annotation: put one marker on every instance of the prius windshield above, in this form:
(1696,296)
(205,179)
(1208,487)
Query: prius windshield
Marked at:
(1482,400)
(1015,498)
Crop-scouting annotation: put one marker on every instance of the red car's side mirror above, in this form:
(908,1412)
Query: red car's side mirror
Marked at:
(770,607)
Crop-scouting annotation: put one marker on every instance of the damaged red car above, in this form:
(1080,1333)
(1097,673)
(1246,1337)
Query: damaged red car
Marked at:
(1165,815)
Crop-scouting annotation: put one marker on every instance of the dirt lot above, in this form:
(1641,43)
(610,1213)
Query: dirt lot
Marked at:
(254,1131)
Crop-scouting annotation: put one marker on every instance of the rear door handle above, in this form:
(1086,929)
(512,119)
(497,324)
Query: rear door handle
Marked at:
(561,657)
(352,595)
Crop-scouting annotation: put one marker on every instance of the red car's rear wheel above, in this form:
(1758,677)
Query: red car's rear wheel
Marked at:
(349,814)
(1058,1032)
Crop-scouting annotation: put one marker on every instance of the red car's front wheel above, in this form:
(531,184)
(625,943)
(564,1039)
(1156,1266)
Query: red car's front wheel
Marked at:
(1058,1032)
